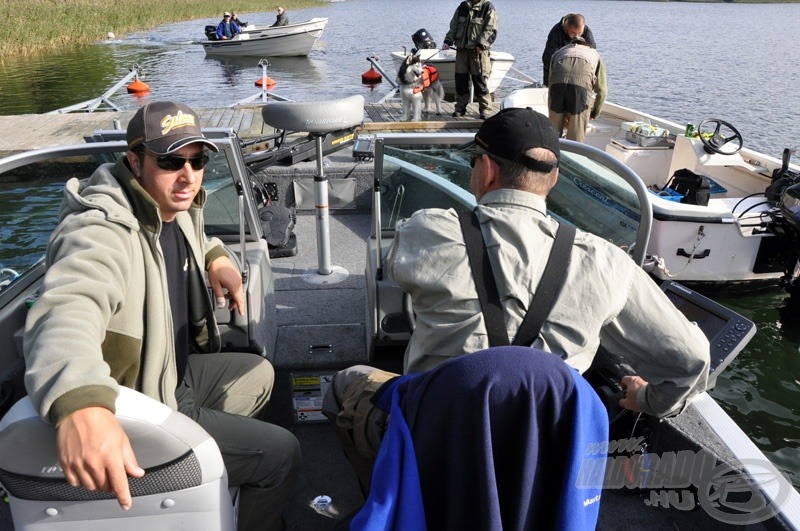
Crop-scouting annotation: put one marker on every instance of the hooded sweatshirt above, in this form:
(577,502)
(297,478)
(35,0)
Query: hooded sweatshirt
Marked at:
(103,318)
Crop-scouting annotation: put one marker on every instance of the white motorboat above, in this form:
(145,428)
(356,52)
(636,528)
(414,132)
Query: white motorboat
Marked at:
(445,63)
(747,235)
(267,41)
(700,458)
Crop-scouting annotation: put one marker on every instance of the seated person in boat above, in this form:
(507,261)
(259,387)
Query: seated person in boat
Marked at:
(604,298)
(227,29)
(578,88)
(235,19)
(570,26)
(282,19)
(125,303)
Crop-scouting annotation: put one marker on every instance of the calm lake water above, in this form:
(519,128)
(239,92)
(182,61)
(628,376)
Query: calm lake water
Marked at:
(681,61)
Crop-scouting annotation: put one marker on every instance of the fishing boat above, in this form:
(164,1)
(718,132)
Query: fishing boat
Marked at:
(696,470)
(742,232)
(445,63)
(267,41)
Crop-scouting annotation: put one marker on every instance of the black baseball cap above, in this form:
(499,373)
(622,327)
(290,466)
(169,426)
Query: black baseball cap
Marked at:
(511,132)
(164,127)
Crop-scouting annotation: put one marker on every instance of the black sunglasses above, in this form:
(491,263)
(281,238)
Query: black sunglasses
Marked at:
(474,159)
(175,163)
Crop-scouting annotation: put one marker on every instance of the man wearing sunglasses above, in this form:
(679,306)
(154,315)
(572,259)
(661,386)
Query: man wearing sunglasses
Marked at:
(125,302)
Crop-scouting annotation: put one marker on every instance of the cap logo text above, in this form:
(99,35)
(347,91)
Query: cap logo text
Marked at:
(169,122)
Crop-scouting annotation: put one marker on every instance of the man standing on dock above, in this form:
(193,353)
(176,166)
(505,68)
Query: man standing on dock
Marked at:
(473,30)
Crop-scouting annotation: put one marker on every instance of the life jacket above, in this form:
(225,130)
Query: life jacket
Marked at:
(429,76)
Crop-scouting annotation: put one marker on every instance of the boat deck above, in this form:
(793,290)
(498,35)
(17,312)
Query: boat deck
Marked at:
(33,131)
(322,326)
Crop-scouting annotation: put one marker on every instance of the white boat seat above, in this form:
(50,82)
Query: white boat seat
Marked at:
(185,485)
(316,117)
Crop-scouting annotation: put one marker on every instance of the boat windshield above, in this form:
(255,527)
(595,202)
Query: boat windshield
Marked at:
(589,194)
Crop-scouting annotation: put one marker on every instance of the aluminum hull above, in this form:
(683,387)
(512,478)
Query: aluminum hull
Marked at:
(284,41)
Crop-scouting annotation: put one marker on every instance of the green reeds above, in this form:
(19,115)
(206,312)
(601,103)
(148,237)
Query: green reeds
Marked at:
(32,27)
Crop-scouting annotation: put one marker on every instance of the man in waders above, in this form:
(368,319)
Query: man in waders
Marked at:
(473,29)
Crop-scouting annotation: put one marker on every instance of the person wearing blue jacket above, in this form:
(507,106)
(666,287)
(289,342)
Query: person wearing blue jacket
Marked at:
(227,29)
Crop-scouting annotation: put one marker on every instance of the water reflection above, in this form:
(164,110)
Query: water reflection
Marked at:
(62,79)
(304,71)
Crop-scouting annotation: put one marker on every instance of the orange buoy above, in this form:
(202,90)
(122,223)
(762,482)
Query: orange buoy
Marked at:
(371,76)
(138,87)
(270,82)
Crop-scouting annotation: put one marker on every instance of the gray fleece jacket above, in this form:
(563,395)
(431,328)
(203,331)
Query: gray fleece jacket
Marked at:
(103,318)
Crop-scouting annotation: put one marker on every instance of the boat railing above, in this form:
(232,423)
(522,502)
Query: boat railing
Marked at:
(103,102)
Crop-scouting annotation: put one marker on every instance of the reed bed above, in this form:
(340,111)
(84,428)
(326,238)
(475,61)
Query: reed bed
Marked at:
(32,27)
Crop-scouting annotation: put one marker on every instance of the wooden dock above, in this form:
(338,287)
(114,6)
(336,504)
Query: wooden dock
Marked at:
(33,131)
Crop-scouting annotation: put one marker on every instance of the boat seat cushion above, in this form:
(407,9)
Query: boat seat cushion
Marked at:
(315,116)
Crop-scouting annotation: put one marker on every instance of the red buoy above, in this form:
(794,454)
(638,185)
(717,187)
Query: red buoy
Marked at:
(138,87)
(270,82)
(371,76)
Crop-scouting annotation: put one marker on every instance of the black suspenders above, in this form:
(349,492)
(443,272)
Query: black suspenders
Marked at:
(485,285)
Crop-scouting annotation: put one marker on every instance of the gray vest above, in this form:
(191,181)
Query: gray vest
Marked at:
(575,64)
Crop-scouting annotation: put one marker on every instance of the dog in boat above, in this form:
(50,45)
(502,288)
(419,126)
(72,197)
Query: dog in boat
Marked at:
(419,87)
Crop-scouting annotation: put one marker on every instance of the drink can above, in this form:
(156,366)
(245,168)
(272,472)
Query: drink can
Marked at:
(691,130)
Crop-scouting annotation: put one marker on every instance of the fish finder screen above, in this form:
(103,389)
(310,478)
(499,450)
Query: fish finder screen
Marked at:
(711,324)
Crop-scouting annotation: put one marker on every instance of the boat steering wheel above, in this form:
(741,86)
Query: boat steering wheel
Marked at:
(717,141)
(7,276)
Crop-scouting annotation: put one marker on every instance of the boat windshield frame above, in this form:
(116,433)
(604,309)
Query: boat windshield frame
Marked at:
(624,192)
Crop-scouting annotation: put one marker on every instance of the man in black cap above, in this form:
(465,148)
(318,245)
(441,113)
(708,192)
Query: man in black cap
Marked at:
(125,302)
(604,296)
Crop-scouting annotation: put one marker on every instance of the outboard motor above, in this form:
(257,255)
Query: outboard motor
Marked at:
(422,41)
(790,205)
(781,179)
(211,32)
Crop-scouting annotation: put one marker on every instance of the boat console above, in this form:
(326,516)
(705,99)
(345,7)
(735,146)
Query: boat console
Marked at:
(727,331)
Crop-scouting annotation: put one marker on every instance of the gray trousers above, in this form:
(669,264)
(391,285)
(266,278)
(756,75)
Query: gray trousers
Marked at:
(225,393)
(474,67)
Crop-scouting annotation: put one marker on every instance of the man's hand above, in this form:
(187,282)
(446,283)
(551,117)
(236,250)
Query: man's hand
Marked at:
(631,385)
(445,46)
(222,274)
(95,453)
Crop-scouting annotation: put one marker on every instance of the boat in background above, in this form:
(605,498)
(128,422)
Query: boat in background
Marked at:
(739,230)
(445,63)
(268,41)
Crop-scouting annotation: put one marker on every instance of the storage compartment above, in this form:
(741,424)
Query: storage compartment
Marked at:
(643,134)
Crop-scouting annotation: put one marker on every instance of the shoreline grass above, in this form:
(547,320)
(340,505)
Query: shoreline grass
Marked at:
(34,27)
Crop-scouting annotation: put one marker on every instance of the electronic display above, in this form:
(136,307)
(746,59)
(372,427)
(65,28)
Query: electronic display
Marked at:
(727,331)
